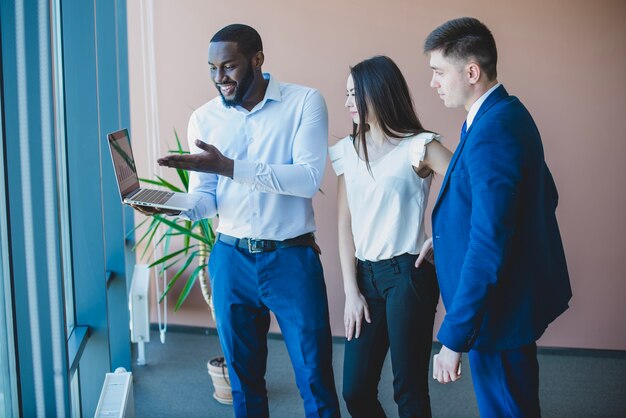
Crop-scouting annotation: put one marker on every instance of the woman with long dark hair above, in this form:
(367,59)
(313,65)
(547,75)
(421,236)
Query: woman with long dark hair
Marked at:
(385,170)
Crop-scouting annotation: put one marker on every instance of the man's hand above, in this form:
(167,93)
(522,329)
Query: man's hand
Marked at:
(211,160)
(426,253)
(355,310)
(447,365)
(151,210)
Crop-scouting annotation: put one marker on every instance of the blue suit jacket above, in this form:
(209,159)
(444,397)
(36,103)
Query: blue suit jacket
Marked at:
(498,250)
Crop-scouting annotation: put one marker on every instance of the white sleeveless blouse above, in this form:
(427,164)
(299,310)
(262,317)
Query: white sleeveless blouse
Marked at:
(386,207)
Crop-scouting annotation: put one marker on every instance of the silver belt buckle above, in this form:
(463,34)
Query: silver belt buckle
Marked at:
(254,247)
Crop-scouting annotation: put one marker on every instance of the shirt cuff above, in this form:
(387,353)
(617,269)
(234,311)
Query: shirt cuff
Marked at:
(244,172)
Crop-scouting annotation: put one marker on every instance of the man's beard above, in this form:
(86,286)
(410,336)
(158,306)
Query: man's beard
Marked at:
(242,88)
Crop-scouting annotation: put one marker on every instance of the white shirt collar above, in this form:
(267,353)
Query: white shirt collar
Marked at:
(474,108)
(272,92)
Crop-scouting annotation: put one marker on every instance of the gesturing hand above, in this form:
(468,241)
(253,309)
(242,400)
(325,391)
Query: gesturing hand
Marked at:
(447,365)
(211,160)
(426,253)
(355,310)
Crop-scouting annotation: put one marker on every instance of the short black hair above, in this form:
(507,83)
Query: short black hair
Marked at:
(465,38)
(247,38)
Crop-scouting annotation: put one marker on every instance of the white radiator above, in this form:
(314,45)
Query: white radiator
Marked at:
(116,398)
(138,304)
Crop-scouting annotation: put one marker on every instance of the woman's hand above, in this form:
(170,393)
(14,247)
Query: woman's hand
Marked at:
(426,253)
(355,310)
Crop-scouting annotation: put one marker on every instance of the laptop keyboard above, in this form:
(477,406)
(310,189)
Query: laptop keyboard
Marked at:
(152,196)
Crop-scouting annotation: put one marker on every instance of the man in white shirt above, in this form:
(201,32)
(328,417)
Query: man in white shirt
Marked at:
(258,153)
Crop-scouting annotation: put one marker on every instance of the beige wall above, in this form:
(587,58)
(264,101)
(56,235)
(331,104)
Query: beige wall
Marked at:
(566,60)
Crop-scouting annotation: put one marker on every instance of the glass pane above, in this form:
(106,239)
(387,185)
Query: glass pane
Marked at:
(8,398)
(75,395)
(61,153)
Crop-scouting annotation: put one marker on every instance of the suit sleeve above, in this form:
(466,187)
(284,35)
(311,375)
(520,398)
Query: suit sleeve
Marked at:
(494,168)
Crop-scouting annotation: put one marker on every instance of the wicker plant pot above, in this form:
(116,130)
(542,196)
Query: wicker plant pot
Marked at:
(221,383)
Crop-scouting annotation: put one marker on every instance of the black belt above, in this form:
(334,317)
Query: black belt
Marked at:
(254,246)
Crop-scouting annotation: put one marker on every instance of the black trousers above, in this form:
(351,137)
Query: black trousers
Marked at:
(402,302)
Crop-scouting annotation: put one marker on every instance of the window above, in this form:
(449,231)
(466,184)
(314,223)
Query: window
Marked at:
(64,86)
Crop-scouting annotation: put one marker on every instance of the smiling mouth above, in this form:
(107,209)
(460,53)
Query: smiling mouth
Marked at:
(227,89)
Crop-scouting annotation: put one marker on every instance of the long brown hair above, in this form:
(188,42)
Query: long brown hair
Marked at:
(381,90)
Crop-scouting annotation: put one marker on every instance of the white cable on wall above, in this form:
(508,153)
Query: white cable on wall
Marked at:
(27,209)
(152,132)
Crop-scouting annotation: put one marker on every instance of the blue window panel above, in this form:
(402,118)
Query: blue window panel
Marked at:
(94,107)
(31,213)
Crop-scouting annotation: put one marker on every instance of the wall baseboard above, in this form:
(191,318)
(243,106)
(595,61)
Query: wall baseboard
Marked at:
(556,351)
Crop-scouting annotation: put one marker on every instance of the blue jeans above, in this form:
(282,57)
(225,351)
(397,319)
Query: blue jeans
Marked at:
(402,302)
(290,283)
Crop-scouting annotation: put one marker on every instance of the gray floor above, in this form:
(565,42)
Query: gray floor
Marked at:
(175,383)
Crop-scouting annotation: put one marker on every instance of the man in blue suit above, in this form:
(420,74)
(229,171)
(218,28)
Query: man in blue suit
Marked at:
(498,250)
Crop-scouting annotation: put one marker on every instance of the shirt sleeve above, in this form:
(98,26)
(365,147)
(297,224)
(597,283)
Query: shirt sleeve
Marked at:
(303,176)
(417,150)
(201,185)
(336,153)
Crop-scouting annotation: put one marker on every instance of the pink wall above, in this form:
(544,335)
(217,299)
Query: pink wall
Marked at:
(564,59)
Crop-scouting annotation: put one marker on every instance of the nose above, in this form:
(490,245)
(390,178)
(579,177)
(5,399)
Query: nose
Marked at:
(218,75)
(433,82)
(349,101)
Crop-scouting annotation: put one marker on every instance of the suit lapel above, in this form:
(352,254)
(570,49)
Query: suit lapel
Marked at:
(497,95)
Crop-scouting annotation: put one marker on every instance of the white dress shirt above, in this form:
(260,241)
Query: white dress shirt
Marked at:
(387,206)
(477,104)
(279,152)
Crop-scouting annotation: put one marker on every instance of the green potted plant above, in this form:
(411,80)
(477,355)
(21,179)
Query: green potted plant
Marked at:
(192,255)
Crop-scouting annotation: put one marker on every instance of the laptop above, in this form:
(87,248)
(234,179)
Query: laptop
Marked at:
(128,182)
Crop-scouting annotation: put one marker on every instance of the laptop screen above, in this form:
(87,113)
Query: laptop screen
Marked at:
(123,162)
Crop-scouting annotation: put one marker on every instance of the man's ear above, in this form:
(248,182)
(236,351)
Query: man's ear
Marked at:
(258,59)
(472,70)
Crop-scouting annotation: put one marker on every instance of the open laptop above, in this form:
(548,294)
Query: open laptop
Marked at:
(128,182)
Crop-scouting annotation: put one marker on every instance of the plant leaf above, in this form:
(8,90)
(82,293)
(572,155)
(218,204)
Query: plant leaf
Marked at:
(154,182)
(171,283)
(169,185)
(150,240)
(166,257)
(180,229)
(152,226)
(182,174)
(187,238)
(190,282)
(207,231)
